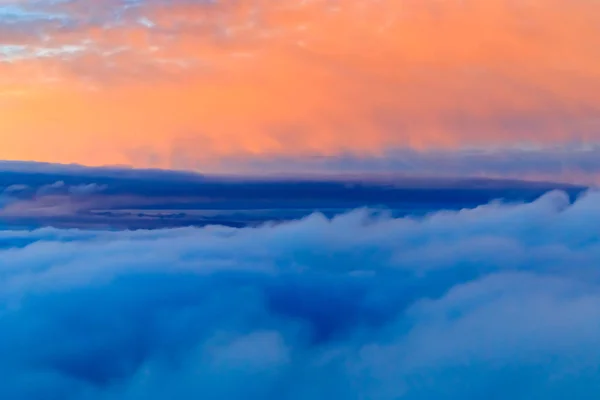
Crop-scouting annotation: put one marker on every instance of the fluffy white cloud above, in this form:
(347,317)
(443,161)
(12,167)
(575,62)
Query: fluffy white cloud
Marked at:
(500,302)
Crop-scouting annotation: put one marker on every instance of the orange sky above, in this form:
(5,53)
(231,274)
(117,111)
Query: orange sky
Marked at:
(190,84)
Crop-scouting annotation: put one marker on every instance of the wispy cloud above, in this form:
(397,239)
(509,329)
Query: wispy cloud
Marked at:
(575,163)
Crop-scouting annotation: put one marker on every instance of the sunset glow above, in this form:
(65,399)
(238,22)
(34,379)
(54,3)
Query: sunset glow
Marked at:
(192,83)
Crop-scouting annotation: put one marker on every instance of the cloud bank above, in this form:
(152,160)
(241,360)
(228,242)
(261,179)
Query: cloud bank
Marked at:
(500,301)
(574,163)
(36,195)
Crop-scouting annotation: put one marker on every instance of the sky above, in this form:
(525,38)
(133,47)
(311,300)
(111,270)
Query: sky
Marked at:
(299,199)
(266,86)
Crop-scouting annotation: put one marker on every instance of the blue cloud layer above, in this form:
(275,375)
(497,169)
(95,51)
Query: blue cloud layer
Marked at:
(498,302)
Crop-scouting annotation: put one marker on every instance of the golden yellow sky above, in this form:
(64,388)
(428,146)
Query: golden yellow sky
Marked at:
(268,78)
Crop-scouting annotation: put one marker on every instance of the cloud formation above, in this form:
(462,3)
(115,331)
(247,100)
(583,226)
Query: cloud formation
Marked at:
(137,82)
(500,301)
(35,195)
(568,163)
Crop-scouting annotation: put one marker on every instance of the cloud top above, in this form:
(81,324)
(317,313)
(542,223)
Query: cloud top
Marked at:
(500,300)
